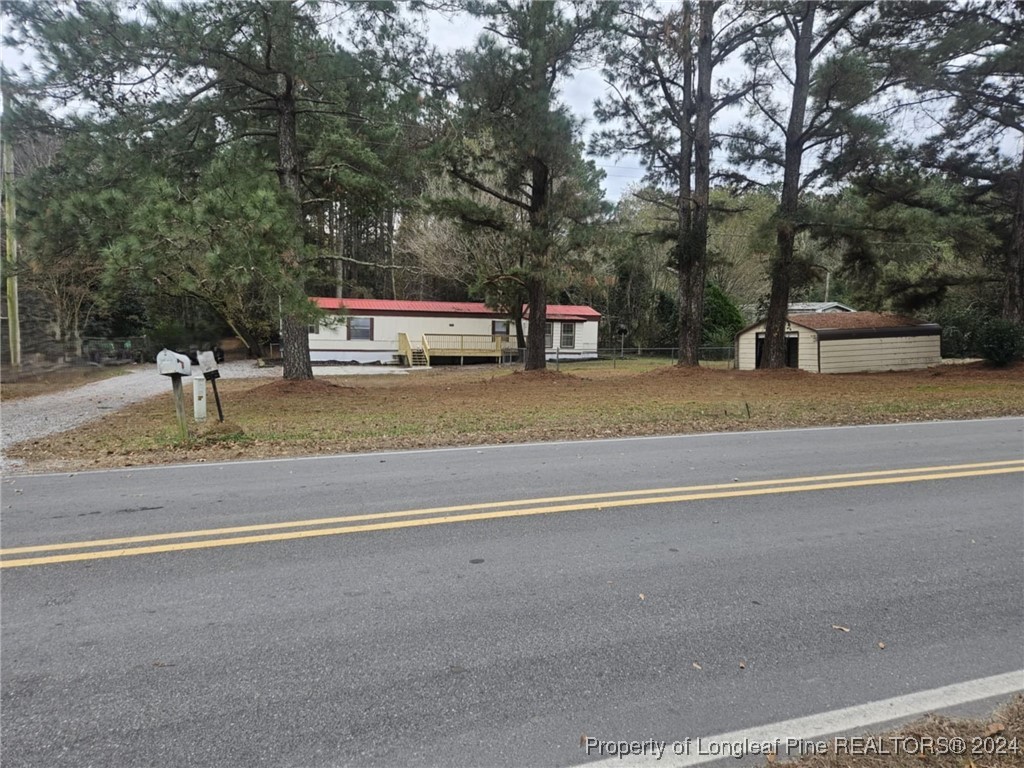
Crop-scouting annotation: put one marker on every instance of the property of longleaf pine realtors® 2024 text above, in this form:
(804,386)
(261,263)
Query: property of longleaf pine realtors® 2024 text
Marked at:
(873,745)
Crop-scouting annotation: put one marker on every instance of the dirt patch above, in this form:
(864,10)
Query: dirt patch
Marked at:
(779,373)
(543,374)
(680,372)
(212,429)
(310,388)
(542,378)
(978,369)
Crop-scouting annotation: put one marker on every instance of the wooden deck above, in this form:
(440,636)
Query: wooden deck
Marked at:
(458,345)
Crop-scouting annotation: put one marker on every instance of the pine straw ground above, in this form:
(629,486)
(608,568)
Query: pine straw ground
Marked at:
(996,741)
(486,404)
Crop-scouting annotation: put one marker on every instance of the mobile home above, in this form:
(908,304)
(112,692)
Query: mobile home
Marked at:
(414,332)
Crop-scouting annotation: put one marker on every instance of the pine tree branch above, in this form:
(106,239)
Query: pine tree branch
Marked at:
(837,26)
(479,185)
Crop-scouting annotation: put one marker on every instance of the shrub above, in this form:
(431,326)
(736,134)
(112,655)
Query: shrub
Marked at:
(1001,341)
(722,318)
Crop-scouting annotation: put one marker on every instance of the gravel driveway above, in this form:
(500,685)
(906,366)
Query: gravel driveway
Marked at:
(32,417)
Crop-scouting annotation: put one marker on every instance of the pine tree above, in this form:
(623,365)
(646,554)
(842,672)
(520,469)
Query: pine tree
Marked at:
(965,62)
(522,150)
(821,135)
(176,81)
(661,66)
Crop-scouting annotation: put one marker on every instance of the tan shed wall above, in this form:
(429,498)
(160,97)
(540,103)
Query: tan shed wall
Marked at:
(746,352)
(808,350)
(746,348)
(884,354)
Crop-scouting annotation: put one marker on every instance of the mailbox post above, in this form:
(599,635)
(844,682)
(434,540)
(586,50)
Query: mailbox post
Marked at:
(174,365)
(198,397)
(208,365)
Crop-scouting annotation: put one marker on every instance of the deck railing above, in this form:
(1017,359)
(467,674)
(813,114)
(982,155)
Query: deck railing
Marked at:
(405,348)
(462,344)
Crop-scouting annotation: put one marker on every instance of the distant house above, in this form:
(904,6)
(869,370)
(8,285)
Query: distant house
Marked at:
(756,312)
(418,332)
(808,307)
(846,342)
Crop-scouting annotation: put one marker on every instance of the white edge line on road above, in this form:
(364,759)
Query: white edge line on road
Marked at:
(493,446)
(838,721)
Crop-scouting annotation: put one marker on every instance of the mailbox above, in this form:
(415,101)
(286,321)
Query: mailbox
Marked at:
(208,365)
(172,364)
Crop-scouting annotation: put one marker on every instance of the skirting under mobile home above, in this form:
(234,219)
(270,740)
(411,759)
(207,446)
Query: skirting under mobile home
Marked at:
(847,342)
(419,332)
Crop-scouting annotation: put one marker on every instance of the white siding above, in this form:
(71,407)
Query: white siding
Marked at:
(584,346)
(882,354)
(332,342)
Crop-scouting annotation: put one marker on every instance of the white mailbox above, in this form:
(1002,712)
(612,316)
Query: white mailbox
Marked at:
(208,365)
(172,364)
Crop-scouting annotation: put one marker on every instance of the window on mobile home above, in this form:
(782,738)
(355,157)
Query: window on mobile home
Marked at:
(360,328)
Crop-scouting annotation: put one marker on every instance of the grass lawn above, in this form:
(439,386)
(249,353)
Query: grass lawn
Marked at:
(488,404)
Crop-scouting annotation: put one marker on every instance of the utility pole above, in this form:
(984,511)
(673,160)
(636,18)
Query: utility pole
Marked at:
(11,259)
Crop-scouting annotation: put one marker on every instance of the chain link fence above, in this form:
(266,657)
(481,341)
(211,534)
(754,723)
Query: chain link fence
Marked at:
(42,354)
(615,357)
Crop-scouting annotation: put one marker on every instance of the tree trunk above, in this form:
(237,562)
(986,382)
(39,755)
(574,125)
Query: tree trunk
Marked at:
(252,343)
(538,308)
(517,319)
(76,335)
(294,328)
(339,236)
(778,303)
(11,259)
(782,263)
(295,348)
(1013,292)
(684,249)
(540,248)
(691,307)
(540,195)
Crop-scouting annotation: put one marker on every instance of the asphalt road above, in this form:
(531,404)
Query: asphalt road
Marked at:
(499,634)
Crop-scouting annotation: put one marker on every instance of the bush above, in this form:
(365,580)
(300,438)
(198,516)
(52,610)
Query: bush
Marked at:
(722,318)
(1001,341)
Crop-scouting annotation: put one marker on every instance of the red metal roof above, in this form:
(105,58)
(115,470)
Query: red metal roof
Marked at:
(388,306)
(570,312)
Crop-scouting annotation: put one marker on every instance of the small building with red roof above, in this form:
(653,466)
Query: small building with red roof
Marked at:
(847,342)
(419,332)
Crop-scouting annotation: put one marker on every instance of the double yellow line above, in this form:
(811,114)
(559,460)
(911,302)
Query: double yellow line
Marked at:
(100,549)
